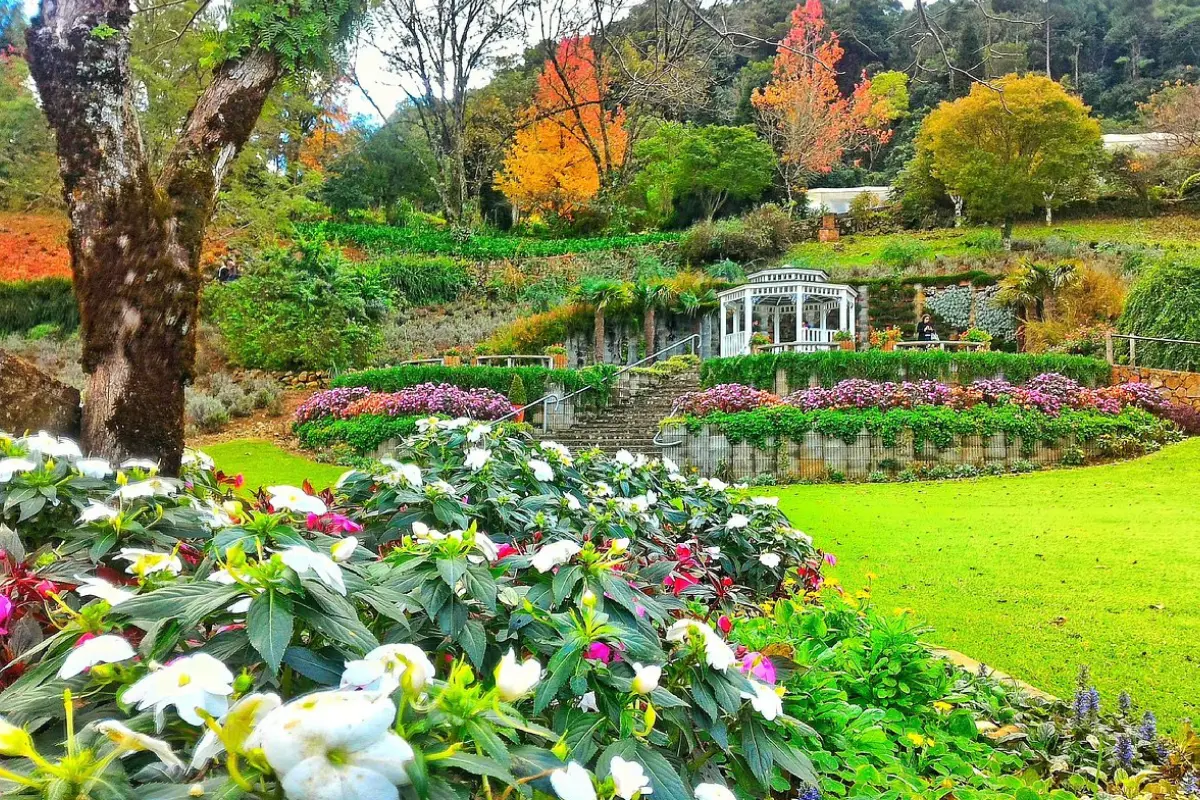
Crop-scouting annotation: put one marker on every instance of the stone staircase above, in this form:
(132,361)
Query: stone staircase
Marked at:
(630,421)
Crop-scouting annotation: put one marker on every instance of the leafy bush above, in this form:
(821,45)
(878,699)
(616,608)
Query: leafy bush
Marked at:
(418,280)
(1165,302)
(535,332)
(205,412)
(905,253)
(27,304)
(309,309)
(442,241)
(765,232)
(830,367)
(364,433)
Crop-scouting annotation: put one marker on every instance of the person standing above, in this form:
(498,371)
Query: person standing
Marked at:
(925,330)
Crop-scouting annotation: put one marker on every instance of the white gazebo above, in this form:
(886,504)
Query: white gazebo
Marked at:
(768,304)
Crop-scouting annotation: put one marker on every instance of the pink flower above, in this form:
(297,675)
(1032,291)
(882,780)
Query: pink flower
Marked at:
(45,587)
(678,582)
(6,610)
(725,624)
(599,651)
(756,665)
(504,551)
(831,559)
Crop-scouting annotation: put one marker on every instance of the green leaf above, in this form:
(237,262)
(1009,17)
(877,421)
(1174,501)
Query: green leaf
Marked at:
(756,750)
(479,766)
(560,670)
(473,639)
(314,666)
(451,570)
(664,778)
(269,624)
(791,759)
(564,582)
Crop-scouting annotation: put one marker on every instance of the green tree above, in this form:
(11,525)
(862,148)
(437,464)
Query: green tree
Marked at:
(1031,286)
(652,297)
(1165,303)
(1009,151)
(28,171)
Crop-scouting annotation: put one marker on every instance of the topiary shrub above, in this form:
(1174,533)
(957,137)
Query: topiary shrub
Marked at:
(1165,302)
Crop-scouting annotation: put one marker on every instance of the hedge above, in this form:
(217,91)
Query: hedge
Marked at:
(536,379)
(364,433)
(423,280)
(1165,303)
(27,304)
(934,425)
(837,365)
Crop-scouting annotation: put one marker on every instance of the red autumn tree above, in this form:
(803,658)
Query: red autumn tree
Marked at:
(806,117)
(569,140)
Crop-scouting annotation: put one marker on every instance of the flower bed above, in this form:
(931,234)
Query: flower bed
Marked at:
(421,400)
(830,367)
(537,380)
(598,641)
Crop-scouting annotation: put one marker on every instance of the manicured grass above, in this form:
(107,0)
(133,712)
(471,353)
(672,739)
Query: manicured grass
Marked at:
(264,464)
(1038,574)
(1173,233)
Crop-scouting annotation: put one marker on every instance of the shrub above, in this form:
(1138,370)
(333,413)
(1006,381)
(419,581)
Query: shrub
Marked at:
(516,392)
(763,233)
(305,310)
(363,433)
(25,305)
(905,253)
(418,280)
(536,332)
(1165,302)
(204,412)
(830,367)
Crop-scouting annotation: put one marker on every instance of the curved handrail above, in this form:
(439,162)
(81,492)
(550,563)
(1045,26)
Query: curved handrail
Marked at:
(693,341)
(660,443)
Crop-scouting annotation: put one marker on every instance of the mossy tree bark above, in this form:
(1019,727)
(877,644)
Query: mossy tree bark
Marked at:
(135,239)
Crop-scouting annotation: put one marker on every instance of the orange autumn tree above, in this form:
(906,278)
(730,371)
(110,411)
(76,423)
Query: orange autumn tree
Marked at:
(568,142)
(802,111)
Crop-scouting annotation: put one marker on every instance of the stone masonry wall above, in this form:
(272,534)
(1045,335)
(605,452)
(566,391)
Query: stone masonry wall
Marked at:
(1179,387)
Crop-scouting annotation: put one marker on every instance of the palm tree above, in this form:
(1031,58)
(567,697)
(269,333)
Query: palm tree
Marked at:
(651,297)
(602,294)
(698,302)
(1029,288)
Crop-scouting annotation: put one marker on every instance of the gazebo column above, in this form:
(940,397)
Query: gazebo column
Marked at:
(748,330)
(844,314)
(800,313)
(777,315)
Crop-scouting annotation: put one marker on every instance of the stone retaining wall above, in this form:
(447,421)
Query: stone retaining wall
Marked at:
(818,456)
(1178,387)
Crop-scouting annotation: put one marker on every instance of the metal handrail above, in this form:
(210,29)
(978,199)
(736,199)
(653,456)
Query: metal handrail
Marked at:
(693,341)
(1152,339)
(1110,352)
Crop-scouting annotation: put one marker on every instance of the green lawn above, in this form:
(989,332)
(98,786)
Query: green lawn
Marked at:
(1037,574)
(1175,233)
(264,464)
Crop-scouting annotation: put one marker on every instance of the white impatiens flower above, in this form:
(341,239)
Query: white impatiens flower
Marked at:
(343,549)
(50,446)
(101,589)
(303,560)
(769,560)
(515,680)
(335,745)
(588,703)
(713,791)
(560,451)
(133,742)
(716,484)
(737,521)
(14,466)
(572,502)
(144,464)
(289,498)
(484,544)
(388,667)
(765,700)
(427,424)
(772,502)
(645,678)
(573,783)
(151,487)
(108,649)
(147,562)
(555,554)
(478,432)
(189,683)
(477,457)
(199,458)
(624,458)
(542,471)
(629,778)
(717,652)
(237,725)
(95,512)
(403,473)
(95,468)
(619,546)
(671,466)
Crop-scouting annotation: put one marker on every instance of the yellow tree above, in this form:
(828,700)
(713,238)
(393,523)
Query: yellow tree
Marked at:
(568,141)
(1010,149)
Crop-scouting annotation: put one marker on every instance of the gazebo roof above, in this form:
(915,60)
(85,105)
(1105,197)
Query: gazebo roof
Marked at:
(788,275)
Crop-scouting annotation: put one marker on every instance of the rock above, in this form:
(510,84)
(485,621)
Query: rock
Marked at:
(30,400)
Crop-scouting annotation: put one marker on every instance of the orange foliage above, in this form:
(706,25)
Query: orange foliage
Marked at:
(33,247)
(328,140)
(568,141)
(804,113)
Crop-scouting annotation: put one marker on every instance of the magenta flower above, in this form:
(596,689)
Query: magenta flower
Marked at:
(831,559)
(6,610)
(758,666)
(599,651)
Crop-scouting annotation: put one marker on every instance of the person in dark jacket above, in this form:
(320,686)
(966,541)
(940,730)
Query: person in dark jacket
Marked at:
(925,330)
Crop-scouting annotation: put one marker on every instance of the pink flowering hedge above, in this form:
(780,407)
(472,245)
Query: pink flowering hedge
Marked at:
(414,401)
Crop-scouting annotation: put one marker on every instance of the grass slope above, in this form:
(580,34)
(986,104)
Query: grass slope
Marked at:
(1173,233)
(1037,574)
(265,464)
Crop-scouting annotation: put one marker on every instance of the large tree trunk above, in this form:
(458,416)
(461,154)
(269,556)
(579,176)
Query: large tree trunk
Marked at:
(648,325)
(135,243)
